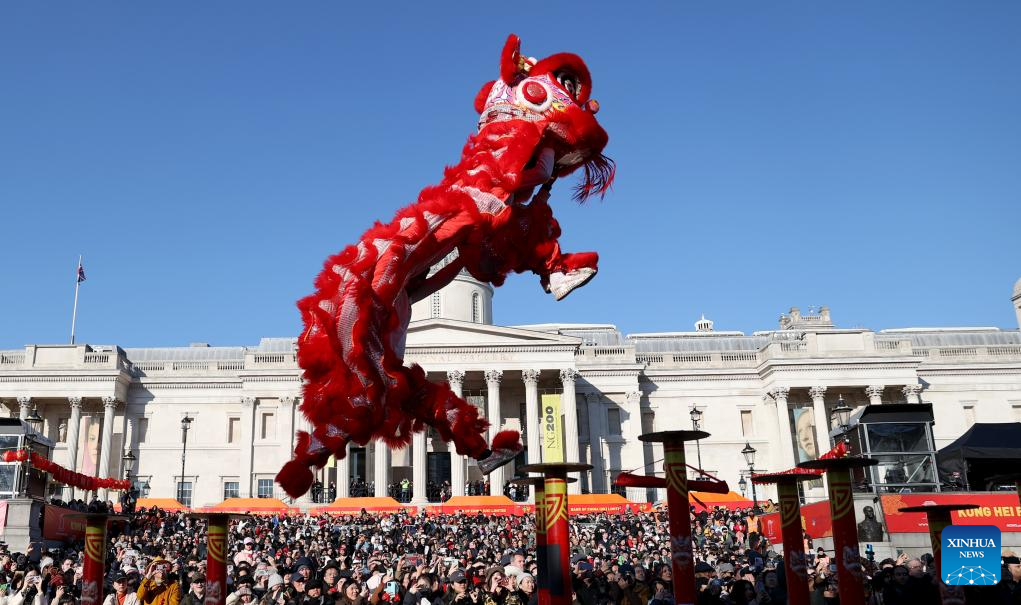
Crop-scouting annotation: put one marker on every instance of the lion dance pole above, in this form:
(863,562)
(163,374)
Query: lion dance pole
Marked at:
(216,556)
(557,529)
(94,568)
(791,531)
(678,508)
(938,516)
(850,580)
(538,485)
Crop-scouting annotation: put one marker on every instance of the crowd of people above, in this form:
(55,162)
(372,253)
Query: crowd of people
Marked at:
(159,558)
(403,491)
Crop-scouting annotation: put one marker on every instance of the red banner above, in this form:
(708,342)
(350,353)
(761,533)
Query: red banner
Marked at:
(999,508)
(815,518)
(58,524)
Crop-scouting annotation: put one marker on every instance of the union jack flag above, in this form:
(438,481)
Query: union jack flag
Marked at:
(81,273)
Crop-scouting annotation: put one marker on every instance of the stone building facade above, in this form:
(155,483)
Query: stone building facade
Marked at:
(774,390)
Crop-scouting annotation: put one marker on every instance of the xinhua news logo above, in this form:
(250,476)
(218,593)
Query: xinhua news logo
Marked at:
(971,555)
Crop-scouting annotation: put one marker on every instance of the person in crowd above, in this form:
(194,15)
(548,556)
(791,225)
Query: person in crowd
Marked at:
(196,592)
(159,587)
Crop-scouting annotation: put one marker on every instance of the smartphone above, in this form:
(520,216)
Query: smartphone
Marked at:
(391,588)
(4,587)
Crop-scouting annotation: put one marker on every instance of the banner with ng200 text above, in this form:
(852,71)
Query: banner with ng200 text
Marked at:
(552,432)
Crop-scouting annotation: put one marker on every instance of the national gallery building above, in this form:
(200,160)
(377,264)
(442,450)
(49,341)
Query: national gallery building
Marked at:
(774,390)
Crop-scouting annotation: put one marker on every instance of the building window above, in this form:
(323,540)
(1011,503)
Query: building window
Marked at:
(265,488)
(747,428)
(142,428)
(435,302)
(613,421)
(968,407)
(233,430)
(269,425)
(476,308)
(184,492)
(231,489)
(1015,407)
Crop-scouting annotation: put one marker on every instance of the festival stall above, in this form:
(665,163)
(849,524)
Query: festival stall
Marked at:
(354,506)
(255,506)
(168,504)
(487,505)
(587,504)
(707,501)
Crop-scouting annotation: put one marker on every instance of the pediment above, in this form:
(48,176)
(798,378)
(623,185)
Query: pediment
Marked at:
(439,332)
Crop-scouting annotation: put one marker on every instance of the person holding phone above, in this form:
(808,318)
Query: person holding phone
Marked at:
(31,592)
(158,587)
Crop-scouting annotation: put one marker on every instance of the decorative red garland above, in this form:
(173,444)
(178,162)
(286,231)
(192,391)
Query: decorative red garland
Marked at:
(63,475)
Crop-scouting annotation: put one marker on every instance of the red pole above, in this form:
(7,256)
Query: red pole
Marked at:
(679,511)
(95,559)
(795,569)
(216,560)
(558,531)
(845,537)
(938,517)
(538,484)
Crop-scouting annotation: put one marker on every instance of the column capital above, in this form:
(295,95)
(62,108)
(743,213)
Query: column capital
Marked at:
(633,398)
(24,401)
(778,393)
(530,376)
(289,399)
(110,402)
(455,377)
(874,390)
(912,390)
(247,401)
(567,375)
(493,377)
(75,402)
(817,392)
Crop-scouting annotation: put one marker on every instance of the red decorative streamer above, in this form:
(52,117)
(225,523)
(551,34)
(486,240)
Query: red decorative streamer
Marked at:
(63,475)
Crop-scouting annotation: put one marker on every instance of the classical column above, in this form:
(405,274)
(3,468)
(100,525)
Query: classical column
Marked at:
(418,468)
(24,407)
(344,474)
(570,407)
(73,428)
(822,420)
(288,412)
(493,378)
(380,464)
(633,453)
(784,459)
(913,393)
(245,449)
(109,407)
(875,393)
(596,411)
(457,462)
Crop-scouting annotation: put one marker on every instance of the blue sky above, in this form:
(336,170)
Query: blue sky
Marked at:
(206,157)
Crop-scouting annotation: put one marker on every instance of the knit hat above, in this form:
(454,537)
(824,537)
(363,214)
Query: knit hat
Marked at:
(274,581)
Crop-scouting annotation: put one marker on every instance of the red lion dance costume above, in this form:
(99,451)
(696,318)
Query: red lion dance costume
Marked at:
(536,123)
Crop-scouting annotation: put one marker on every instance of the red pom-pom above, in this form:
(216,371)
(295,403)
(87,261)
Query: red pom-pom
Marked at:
(295,478)
(506,440)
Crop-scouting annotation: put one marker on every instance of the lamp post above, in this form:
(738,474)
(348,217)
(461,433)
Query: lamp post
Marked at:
(696,424)
(749,456)
(185,425)
(34,419)
(842,416)
(743,485)
(128,460)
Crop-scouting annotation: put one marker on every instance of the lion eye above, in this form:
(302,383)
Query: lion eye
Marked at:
(568,82)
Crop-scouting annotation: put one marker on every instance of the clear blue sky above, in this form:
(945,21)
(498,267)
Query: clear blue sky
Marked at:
(206,157)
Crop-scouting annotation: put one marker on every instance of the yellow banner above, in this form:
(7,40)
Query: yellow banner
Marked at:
(552,430)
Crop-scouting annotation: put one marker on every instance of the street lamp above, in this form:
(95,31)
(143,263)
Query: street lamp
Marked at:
(749,456)
(128,460)
(696,423)
(743,485)
(34,419)
(185,425)
(842,415)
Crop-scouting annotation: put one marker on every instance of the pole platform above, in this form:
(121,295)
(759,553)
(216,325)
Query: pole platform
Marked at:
(673,436)
(555,468)
(937,508)
(797,476)
(837,464)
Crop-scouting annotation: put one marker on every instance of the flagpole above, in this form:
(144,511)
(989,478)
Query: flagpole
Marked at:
(77,282)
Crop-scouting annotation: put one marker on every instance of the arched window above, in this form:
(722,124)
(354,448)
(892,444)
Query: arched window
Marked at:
(435,305)
(476,308)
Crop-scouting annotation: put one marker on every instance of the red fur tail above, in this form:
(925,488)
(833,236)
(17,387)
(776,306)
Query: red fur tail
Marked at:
(506,440)
(295,478)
